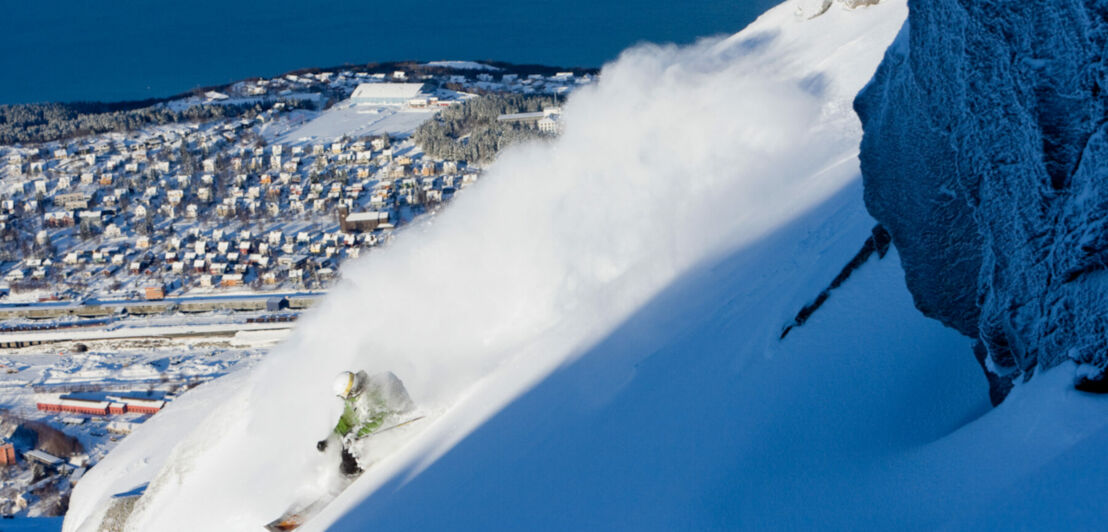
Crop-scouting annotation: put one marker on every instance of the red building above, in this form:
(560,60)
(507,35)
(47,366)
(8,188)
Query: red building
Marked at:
(113,405)
(7,454)
(135,405)
(55,403)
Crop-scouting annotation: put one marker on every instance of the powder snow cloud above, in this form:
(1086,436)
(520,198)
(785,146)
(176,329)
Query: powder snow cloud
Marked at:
(676,154)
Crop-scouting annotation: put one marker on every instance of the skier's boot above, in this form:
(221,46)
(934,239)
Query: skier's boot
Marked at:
(349,466)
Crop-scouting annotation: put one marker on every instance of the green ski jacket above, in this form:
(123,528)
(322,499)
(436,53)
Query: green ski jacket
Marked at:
(364,423)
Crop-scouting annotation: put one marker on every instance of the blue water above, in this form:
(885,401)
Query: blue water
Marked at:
(66,50)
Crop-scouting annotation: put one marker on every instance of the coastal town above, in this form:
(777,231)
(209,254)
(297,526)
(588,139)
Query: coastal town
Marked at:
(251,203)
(137,264)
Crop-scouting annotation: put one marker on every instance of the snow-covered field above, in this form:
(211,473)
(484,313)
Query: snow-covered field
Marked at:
(123,365)
(595,327)
(352,120)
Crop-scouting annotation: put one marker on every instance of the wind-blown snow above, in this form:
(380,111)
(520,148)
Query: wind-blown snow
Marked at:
(593,328)
(676,156)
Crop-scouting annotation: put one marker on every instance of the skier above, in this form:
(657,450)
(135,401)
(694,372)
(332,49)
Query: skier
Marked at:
(370,403)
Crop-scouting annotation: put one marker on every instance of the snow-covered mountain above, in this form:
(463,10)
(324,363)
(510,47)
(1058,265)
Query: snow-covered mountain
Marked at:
(596,337)
(985,153)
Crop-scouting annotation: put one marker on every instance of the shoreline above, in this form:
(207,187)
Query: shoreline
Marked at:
(373,67)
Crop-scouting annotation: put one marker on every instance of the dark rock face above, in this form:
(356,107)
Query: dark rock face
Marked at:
(986,156)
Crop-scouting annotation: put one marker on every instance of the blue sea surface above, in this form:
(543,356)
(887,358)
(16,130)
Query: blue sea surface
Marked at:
(70,50)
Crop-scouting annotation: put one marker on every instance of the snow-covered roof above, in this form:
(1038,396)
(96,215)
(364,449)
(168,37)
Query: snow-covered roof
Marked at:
(83,403)
(387,90)
(43,457)
(138,401)
(370,216)
(520,116)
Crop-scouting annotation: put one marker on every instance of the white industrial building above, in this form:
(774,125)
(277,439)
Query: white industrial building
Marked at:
(388,93)
(549,120)
(550,124)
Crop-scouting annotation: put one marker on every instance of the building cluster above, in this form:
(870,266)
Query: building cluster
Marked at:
(203,207)
(38,467)
(207,206)
(294,85)
(345,81)
(560,83)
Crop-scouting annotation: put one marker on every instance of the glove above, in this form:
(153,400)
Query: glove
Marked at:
(321,445)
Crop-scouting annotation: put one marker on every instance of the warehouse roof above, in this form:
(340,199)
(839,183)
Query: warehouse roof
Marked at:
(371,216)
(387,90)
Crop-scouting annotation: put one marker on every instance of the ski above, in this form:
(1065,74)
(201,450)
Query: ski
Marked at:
(299,514)
(293,520)
(396,426)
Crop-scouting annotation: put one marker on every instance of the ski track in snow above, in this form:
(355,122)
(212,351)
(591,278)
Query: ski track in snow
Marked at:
(595,334)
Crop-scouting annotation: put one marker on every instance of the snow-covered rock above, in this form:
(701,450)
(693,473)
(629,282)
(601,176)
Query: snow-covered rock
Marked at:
(985,156)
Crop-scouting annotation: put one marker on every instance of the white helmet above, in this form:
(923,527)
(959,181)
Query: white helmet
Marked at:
(344,384)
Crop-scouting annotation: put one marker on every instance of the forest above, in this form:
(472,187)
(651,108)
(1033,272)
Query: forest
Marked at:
(470,132)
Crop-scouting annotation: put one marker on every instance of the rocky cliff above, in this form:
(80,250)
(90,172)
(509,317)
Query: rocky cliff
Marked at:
(986,156)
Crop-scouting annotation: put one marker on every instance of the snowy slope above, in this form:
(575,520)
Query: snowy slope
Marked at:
(678,156)
(594,333)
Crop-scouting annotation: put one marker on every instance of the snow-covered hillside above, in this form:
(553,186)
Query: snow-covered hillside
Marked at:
(594,333)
